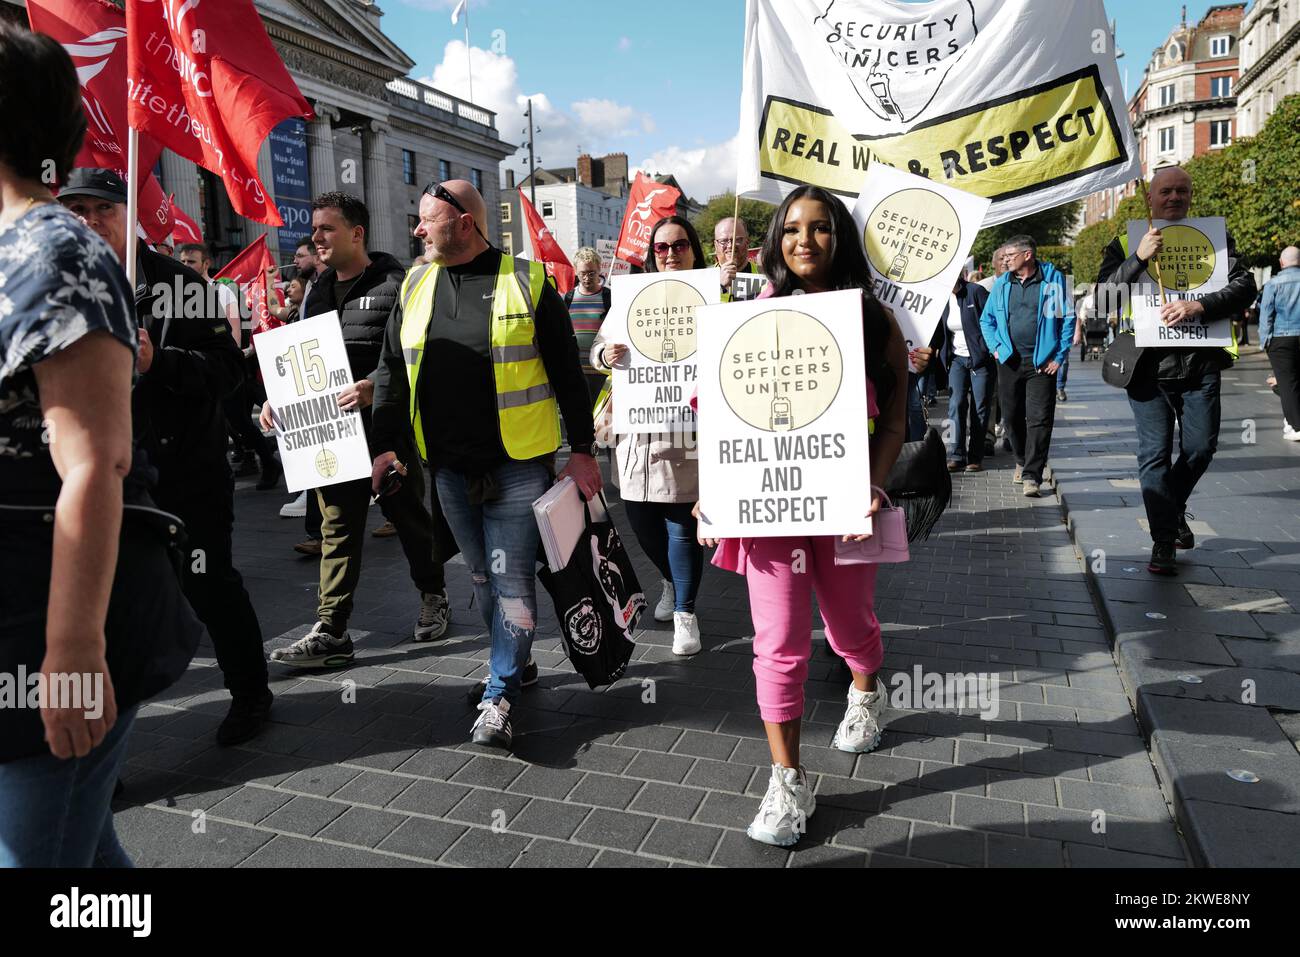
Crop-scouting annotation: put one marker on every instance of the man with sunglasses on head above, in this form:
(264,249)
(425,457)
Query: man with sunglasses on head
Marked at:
(362,288)
(479,363)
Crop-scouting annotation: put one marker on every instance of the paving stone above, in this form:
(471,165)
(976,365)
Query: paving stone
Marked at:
(1222,835)
(488,773)
(1116,800)
(553,854)
(614,829)
(605,790)
(1200,773)
(1005,850)
(676,839)
(1084,855)
(550,819)
(322,780)
(435,763)
(304,815)
(989,815)
(822,855)
(157,838)
(546,782)
(703,745)
(667,800)
(718,776)
(360,825)
(619,859)
(480,847)
(483,808)
(249,805)
(423,838)
(660,767)
(947,844)
(877,833)
(373,789)
(903,801)
(727,810)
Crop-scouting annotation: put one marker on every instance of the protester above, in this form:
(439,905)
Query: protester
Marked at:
(1279,336)
(731,251)
(485,335)
(968,362)
(1171,384)
(588,304)
(86,593)
(362,287)
(658,474)
(1028,324)
(188,364)
(811,247)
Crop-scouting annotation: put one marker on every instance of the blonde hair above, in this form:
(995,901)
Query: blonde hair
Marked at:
(587,255)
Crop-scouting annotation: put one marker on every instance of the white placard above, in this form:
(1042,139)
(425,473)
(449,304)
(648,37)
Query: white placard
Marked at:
(783,418)
(305,367)
(917,235)
(747,286)
(653,314)
(616,267)
(1193,264)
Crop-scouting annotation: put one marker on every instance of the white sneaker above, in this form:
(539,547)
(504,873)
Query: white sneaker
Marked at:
(432,622)
(295,509)
(686,633)
(859,732)
(667,602)
(783,816)
(1289,434)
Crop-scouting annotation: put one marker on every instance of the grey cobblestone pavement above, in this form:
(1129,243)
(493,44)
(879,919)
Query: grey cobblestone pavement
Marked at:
(666,767)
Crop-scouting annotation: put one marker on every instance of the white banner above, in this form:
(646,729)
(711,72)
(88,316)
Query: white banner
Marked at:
(783,418)
(305,367)
(1193,264)
(615,267)
(916,234)
(653,314)
(1016,100)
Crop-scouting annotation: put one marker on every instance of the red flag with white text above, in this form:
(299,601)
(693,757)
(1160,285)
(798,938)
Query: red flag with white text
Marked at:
(204,79)
(647,203)
(546,249)
(184,229)
(249,270)
(94,34)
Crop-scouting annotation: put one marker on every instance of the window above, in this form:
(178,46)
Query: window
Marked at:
(416,246)
(1219,46)
(408,167)
(548,209)
(506,212)
(1167,139)
(444,171)
(476,179)
(1167,95)
(508,244)
(1220,132)
(1221,86)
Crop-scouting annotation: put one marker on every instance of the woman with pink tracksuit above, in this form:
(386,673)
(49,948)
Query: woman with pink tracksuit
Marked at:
(812,246)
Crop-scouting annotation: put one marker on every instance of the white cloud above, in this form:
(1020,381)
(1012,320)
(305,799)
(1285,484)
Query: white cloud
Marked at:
(702,172)
(625,43)
(607,118)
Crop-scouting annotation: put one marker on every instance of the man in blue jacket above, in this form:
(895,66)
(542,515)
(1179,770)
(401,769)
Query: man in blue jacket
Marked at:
(1028,325)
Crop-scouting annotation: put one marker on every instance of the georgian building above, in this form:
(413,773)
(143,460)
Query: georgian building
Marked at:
(1270,61)
(377,133)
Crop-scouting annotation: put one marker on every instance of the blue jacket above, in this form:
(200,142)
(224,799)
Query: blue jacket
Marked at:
(1279,307)
(1055,319)
(971,298)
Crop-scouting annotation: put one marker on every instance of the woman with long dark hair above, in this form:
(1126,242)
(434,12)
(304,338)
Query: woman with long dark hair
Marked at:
(812,246)
(658,481)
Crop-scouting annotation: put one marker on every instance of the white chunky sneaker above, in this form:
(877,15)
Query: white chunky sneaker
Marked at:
(783,816)
(667,602)
(432,623)
(295,509)
(1289,434)
(686,633)
(859,732)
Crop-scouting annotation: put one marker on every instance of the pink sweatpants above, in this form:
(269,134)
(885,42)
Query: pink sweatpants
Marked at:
(782,573)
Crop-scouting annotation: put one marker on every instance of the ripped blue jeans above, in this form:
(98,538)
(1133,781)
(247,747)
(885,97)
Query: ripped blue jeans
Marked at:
(499,540)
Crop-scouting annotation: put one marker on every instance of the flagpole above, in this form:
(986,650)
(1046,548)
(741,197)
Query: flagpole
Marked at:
(469,63)
(1155,260)
(132,203)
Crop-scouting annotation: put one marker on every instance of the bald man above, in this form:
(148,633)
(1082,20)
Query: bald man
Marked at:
(731,250)
(1279,335)
(483,345)
(1175,385)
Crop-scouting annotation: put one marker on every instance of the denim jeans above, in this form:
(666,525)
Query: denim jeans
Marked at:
(916,424)
(666,533)
(968,382)
(57,813)
(1063,373)
(499,540)
(1166,484)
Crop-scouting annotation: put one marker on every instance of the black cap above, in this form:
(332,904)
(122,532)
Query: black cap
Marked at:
(100,183)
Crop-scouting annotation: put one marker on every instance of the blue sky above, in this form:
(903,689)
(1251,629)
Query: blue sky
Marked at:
(660,82)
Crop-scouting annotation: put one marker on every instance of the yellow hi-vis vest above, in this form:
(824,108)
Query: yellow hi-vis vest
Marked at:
(1128,305)
(527,414)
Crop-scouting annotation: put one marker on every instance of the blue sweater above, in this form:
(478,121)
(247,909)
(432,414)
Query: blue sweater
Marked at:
(1055,319)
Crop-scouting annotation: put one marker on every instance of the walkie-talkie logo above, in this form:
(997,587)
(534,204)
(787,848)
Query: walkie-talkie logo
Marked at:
(670,350)
(1181,282)
(879,87)
(898,268)
(782,415)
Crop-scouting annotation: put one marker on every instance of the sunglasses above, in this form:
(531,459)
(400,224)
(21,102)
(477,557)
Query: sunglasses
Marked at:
(726,243)
(679,247)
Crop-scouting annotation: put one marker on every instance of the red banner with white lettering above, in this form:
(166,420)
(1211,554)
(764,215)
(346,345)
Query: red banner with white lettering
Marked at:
(94,34)
(204,79)
(546,249)
(647,203)
(249,270)
(184,229)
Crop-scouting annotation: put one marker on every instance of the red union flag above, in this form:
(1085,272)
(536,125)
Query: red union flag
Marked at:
(647,203)
(546,249)
(204,79)
(248,269)
(184,229)
(94,34)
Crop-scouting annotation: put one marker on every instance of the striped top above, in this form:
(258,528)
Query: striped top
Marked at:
(586,314)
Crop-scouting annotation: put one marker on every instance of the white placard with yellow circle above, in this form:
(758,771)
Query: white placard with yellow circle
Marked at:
(1193,264)
(783,418)
(654,315)
(305,367)
(917,235)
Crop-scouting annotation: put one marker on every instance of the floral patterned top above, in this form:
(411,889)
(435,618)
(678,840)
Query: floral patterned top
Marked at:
(58,282)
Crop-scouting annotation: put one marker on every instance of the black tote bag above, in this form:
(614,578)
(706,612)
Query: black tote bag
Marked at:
(599,601)
(920,483)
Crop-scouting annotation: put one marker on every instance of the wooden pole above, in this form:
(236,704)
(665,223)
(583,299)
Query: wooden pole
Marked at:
(1146,199)
(132,203)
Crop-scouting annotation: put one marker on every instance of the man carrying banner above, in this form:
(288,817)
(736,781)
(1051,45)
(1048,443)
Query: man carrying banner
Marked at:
(479,362)
(362,288)
(731,250)
(188,364)
(1029,325)
(1173,384)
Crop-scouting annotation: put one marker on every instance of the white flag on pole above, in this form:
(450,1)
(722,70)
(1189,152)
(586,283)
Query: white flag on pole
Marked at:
(455,14)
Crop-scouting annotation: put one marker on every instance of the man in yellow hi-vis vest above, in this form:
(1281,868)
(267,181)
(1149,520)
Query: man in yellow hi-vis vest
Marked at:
(478,365)
(1174,385)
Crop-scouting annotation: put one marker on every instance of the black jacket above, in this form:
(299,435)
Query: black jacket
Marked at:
(971,298)
(365,312)
(178,419)
(1180,364)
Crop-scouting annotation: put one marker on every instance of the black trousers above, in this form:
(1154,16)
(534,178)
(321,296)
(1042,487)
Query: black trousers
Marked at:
(214,587)
(1284,357)
(239,423)
(1028,399)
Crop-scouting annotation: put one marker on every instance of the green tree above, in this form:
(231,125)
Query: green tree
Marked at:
(1049,227)
(755,213)
(1092,240)
(1269,219)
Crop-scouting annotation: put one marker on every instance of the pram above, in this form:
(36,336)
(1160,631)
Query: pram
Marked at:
(1096,332)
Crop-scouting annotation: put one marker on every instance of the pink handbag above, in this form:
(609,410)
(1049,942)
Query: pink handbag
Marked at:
(888,541)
